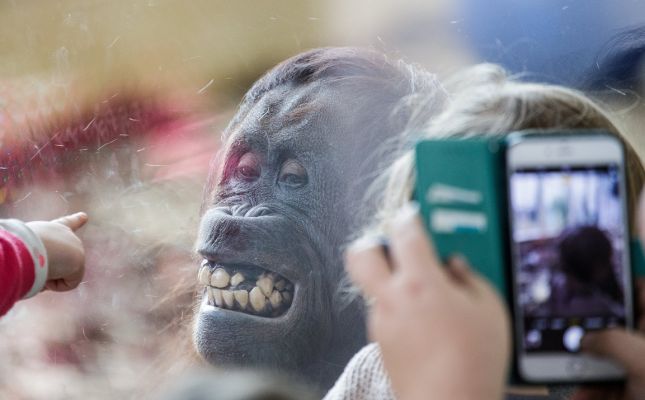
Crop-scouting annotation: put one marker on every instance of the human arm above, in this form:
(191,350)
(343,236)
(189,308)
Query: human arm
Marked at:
(23,264)
(64,249)
(37,255)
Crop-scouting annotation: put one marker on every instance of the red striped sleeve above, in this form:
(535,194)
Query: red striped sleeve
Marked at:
(17,273)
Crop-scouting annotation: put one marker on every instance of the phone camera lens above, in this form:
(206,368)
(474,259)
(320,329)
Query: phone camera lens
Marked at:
(572,337)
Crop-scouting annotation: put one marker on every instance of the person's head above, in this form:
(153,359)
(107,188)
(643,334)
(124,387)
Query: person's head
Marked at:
(484,101)
(619,67)
(616,77)
(586,257)
(285,195)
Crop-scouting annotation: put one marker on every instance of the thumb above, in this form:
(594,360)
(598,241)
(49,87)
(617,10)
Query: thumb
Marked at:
(73,221)
(626,348)
(595,392)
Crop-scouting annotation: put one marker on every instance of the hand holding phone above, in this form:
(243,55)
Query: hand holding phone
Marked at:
(442,329)
(543,217)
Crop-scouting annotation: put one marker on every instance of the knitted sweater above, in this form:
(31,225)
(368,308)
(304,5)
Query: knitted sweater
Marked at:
(364,378)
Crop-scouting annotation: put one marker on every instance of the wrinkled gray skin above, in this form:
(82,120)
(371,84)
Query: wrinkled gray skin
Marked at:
(295,225)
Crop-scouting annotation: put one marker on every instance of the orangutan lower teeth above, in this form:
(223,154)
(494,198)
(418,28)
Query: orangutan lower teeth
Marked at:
(251,290)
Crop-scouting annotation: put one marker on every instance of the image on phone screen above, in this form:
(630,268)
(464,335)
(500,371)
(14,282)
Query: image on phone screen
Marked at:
(569,242)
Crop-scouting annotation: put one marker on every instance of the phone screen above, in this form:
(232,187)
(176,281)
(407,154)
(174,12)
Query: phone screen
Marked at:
(568,233)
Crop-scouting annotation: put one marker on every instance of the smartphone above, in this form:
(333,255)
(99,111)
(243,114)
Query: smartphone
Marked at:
(570,258)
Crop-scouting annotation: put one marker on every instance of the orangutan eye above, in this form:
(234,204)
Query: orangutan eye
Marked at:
(248,168)
(293,174)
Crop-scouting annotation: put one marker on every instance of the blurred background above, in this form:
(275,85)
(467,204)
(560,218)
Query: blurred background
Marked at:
(116,107)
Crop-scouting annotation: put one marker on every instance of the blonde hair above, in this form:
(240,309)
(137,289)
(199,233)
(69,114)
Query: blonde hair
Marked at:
(484,101)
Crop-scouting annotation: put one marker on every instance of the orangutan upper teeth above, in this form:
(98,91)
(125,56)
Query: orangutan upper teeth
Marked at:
(275,299)
(265,284)
(220,278)
(270,296)
(204,276)
(237,279)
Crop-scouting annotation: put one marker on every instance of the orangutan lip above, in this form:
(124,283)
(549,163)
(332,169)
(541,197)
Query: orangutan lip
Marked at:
(246,288)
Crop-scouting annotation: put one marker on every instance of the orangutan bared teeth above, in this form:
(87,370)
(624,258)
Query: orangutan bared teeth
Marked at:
(232,288)
(275,299)
(204,275)
(242,298)
(227,295)
(217,296)
(220,278)
(265,283)
(237,279)
(258,301)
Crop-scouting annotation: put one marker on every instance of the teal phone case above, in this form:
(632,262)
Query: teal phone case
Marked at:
(460,190)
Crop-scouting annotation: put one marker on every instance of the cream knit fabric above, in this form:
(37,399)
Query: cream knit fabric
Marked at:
(364,378)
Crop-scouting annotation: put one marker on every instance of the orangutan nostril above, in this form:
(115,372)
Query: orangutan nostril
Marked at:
(258,211)
(240,210)
(246,210)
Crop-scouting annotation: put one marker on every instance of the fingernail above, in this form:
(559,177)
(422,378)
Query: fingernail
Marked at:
(458,260)
(385,248)
(365,242)
(409,211)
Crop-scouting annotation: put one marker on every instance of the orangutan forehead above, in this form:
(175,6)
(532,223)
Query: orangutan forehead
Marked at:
(288,106)
(285,113)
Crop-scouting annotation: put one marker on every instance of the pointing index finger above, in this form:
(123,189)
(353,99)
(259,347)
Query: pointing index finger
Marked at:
(73,221)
